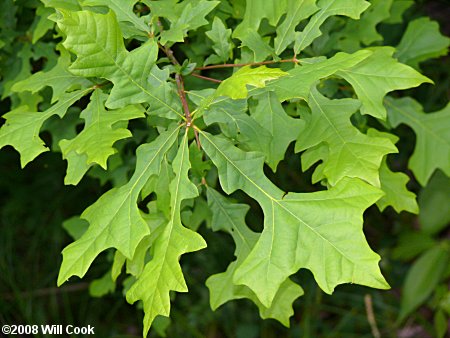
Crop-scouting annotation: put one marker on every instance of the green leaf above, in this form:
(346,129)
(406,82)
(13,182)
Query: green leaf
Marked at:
(65,128)
(114,219)
(236,124)
(236,85)
(71,5)
(41,24)
(299,81)
(247,30)
(230,217)
(283,129)
(397,195)
(255,13)
(191,17)
(434,200)
(16,68)
(163,273)
(313,155)
(378,75)
(134,266)
(422,279)
(131,24)
(77,167)
(162,182)
(299,229)
(440,323)
(100,132)
(393,184)
(169,9)
(102,286)
(398,8)
(297,10)
(97,41)
(421,41)
(412,244)
(259,47)
(327,8)
(80,73)
(118,262)
(223,46)
(75,227)
(350,153)
(363,31)
(22,126)
(432,130)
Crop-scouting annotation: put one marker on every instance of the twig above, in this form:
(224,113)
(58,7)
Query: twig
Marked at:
(205,78)
(180,85)
(231,65)
(187,113)
(371,316)
(182,93)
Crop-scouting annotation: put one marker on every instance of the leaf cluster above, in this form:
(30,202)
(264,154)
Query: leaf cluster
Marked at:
(211,96)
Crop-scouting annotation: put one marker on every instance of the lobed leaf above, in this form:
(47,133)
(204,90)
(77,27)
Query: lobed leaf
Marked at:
(58,78)
(350,153)
(398,8)
(247,30)
(297,10)
(114,219)
(192,16)
(433,136)
(162,273)
(283,129)
(393,184)
(299,229)
(236,124)
(421,41)
(362,32)
(230,217)
(94,144)
(327,8)
(132,25)
(236,85)
(378,75)
(223,46)
(298,82)
(22,126)
(97,41)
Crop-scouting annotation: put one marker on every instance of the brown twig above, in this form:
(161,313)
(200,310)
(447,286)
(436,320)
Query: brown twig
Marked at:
(184,103)
(182,93)
(180,85)
(231,65)
(205,78)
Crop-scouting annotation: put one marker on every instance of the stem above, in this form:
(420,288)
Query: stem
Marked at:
(182,93)
(180,85)
(205,78)
(371,316)
(187,113)
(231,65)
